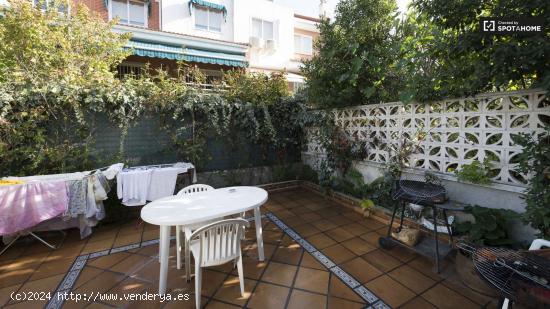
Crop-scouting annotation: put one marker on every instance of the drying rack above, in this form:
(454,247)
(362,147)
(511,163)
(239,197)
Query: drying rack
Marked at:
(189,170)
(189,174)
(42,240)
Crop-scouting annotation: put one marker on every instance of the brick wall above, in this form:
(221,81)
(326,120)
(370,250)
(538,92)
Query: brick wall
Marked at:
(154,16)
(99,7)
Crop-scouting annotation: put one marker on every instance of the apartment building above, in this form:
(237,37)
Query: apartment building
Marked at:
(257,35)
(152,44)
(278,39)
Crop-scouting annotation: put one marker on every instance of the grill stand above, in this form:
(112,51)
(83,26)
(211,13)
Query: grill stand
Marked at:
(427,247)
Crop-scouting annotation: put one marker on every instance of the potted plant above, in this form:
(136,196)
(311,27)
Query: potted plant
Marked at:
(488,228)
(367,205)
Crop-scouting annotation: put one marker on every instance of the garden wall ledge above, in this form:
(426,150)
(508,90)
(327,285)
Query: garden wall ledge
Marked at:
(497,195)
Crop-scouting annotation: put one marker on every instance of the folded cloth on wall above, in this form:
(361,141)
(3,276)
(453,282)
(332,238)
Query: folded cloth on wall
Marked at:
(25,205)
(133,187)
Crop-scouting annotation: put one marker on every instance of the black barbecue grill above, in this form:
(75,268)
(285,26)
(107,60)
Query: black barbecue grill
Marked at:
(419,192)
(522,277)
(414,189)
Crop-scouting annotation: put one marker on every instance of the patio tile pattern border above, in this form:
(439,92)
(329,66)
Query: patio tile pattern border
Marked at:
(72,275)
(348,279)
(318,254)
(70,278)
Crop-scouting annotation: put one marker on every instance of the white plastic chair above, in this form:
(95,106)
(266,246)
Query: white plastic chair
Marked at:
(192,189)
(189,190)
(215,244)
(537,244)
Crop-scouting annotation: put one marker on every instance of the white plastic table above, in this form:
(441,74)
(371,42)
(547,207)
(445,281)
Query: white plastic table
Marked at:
(196,208)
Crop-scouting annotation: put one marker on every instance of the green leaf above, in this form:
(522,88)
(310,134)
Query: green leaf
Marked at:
(369,91)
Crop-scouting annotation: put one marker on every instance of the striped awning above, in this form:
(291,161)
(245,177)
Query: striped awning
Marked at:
(206,4)
(163,51)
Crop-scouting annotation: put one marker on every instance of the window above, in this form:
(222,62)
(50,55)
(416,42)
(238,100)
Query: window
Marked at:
(130,69)
(303,44)
(213,76)
(262,29)
(208,19)
(296,86)
(211,79)
(129,12)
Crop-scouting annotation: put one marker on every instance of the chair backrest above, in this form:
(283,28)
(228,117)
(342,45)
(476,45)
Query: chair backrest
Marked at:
(537,244)
(219,242)
(192,189)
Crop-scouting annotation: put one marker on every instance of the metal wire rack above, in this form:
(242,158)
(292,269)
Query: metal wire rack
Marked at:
(507,270)
(416,189)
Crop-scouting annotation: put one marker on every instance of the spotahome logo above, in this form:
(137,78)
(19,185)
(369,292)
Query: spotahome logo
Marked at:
(528,25)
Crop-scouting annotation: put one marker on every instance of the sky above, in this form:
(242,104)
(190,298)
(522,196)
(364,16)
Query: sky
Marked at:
(311,7)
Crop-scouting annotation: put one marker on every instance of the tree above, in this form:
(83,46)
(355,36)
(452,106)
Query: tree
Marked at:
(55,69)
(534,161)
(446,55)
(356,56)
(255,88)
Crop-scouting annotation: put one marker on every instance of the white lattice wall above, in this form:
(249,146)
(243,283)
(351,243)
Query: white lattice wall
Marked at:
(458,131)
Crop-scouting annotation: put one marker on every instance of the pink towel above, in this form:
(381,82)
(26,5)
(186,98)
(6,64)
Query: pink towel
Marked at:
(24,206)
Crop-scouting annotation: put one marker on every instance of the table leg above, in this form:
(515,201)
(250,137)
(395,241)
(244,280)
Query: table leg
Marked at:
(164,253)
(259,239)
(160,244)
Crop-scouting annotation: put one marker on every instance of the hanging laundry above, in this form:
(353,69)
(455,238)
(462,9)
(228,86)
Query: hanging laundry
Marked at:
(78,190)
(133,187)
(113,170)
(25,205)
(33,202)
(133,191)
(163,182)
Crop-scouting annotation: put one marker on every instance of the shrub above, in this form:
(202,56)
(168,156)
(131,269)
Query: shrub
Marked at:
(475,172)
(490,226)
(535,162)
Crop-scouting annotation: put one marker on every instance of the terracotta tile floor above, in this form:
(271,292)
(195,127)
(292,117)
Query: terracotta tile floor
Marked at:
(291,276)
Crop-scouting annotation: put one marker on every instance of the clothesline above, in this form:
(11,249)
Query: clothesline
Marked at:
(61,201)
(150,166)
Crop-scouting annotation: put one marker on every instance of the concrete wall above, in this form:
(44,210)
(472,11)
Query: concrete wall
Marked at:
(177,18)
(493,196)
(283,24)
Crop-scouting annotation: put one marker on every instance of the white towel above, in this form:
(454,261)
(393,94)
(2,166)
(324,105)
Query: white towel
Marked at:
(133,187)
(163,182)
(113,170)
